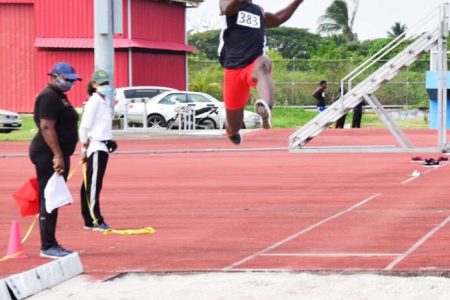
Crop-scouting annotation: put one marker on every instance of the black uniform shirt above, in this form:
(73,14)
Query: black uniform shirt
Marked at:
(319,95)
(244,38)
(52,104)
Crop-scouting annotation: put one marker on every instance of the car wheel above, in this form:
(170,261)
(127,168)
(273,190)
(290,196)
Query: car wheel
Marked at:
(155,121)
(207,123)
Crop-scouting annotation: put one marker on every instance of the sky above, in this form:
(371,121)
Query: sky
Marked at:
(373,20)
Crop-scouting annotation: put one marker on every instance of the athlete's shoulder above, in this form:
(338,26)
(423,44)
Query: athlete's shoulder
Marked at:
(260,7)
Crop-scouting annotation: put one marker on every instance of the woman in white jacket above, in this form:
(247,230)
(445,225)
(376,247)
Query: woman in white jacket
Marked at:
(97,142)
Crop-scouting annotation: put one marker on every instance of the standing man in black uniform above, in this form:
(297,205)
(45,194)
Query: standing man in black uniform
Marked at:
(242,55)
(52,146)
(319,95)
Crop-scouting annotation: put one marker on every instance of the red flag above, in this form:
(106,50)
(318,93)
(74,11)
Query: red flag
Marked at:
(27,197)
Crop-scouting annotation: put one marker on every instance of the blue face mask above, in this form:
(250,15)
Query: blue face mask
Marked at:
(104,89)
(64,85)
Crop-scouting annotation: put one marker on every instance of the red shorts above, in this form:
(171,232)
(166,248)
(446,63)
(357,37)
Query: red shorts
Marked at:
(236,86)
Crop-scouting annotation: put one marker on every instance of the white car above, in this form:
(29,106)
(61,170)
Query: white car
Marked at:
(164,108)
(134,92)
(9,121)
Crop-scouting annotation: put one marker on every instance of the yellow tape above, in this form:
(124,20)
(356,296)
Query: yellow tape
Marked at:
(145,230)
(73,171)
(5,258)
(30,229)
(91,209)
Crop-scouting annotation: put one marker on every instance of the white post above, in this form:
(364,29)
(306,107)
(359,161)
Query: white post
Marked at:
(145,121)
(442,78)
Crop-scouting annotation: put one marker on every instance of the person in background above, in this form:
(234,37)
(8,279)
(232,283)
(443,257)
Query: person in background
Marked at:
(242,55)
(340,123)
(52,146)
(357,115)
(319,95)
(96,140)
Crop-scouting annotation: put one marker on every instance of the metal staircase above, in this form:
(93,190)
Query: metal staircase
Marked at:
(366,88)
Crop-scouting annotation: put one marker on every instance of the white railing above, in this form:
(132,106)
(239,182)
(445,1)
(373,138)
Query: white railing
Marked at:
(409,34)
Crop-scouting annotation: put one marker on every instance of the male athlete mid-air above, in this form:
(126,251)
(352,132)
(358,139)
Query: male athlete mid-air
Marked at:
(242,55)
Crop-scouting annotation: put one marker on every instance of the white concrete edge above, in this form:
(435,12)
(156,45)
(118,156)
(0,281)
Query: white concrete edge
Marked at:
(33,281)
(4,293)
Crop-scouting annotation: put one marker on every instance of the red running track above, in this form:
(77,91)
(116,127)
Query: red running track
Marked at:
(251,210)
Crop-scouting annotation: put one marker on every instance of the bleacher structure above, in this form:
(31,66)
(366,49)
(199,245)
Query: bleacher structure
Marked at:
(434,40)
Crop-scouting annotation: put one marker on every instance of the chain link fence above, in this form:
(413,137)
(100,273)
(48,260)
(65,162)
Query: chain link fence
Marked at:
(295,80)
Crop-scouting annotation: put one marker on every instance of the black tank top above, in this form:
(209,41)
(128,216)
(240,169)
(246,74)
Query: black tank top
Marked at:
(244,37)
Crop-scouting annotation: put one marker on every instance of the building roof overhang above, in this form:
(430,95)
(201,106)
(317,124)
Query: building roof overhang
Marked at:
(88,43)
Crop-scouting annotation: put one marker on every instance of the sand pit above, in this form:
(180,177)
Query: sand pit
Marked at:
(252,285)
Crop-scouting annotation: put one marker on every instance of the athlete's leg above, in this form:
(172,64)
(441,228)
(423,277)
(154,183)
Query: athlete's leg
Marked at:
(261,75)
(235,94)
(263,78)
(234,121)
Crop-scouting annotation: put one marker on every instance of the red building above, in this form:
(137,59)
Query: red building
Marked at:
(35,34)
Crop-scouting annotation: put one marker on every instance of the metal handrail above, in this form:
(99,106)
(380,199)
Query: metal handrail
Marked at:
(386,50)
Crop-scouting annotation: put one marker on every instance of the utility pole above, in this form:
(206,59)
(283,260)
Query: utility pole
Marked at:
(107,22)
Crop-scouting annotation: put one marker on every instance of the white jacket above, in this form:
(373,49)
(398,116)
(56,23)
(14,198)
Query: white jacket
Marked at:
(96,123)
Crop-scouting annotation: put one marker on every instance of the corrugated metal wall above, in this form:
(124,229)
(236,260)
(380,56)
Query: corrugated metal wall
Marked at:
(64,18)
(83,62)
(158,21)
(24,68)
(159,69)
(17,56)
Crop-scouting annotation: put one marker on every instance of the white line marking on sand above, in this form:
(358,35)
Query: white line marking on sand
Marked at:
(333,254)
(301,232)
(417,244)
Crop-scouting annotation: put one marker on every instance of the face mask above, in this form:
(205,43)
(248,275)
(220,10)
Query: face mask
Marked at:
(63,84)
(104,89)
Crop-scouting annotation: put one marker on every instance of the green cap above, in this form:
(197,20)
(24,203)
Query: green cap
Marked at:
(100,76)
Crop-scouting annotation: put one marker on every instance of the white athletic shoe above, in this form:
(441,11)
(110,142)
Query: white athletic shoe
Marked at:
(263,110)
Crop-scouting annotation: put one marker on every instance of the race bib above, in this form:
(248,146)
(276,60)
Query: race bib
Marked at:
(249,20)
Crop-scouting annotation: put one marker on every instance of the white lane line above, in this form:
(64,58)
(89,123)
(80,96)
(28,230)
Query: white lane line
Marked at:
(411,179)
(417,244)
(333,254)
(424,173)
(301,232)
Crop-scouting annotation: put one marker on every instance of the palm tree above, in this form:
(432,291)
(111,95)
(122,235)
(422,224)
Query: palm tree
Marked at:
(337,18)
(396,30)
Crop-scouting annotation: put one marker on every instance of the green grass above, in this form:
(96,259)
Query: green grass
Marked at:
(26,133)
(283,117)
(371,120)
(291,117)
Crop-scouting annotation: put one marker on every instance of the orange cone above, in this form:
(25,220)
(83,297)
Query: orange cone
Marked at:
(15,249)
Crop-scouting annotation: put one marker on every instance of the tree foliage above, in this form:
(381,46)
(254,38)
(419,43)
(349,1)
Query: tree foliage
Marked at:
(292,42)
(301,59)
(206,43)
(396,30)
(338,18)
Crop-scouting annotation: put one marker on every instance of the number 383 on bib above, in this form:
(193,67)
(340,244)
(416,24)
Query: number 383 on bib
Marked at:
(248,19)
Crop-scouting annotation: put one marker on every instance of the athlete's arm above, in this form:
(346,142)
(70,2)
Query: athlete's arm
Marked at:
(51,138)
(278,18)
(229,7)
